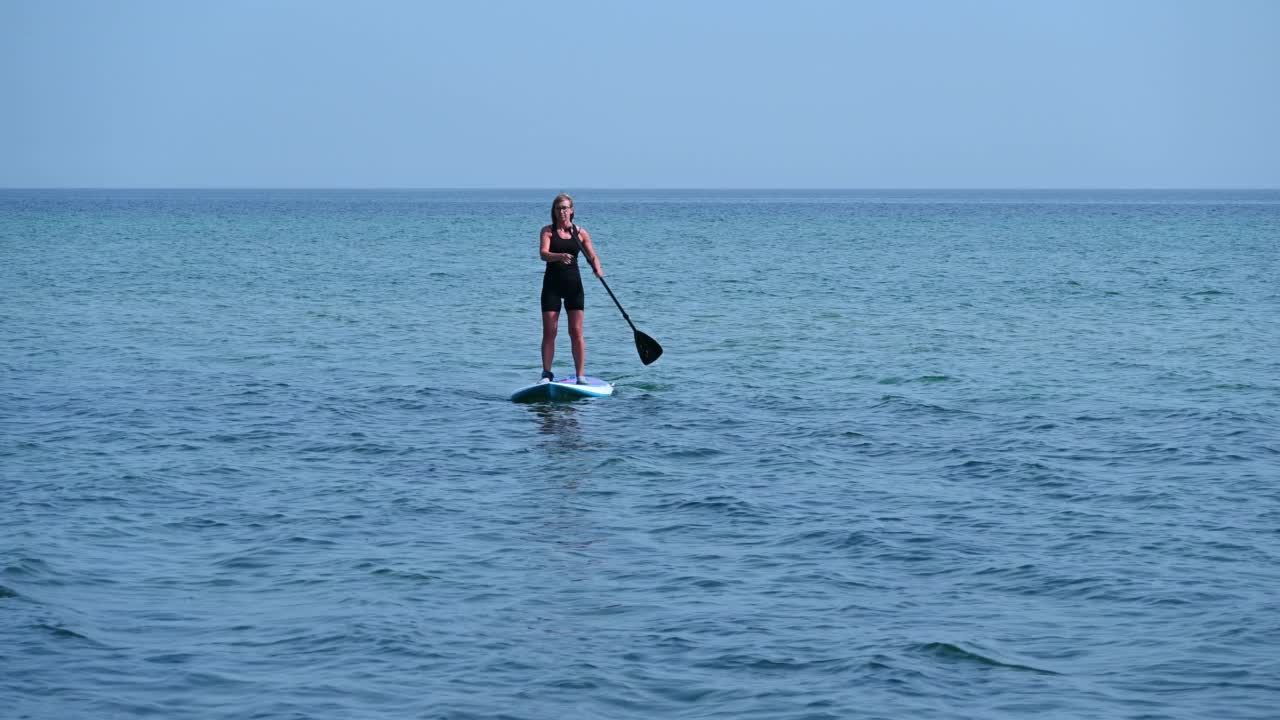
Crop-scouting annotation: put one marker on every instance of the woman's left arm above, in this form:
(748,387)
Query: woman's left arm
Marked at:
(594,259)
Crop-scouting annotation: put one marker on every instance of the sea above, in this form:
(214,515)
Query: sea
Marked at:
(907,454)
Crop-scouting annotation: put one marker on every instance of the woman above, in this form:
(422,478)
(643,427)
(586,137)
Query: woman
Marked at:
(558,245)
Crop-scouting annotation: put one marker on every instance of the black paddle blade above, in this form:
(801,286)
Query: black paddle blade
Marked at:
(648,348)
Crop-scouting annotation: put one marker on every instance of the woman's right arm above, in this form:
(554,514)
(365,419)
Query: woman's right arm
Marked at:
(544,249)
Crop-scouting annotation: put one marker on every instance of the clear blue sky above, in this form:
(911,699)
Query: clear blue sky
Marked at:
(794,93)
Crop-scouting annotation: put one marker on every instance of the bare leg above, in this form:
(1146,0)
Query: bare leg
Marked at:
(575,339)
(550,321)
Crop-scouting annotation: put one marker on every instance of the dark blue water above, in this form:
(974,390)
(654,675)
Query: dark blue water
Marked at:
(908,454)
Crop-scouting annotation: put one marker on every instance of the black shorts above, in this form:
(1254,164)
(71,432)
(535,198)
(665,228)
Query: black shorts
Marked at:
(557,286)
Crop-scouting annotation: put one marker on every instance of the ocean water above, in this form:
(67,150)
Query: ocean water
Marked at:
(907,455)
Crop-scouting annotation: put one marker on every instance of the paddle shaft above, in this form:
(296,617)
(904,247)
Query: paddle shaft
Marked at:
(592,262)
(648,348)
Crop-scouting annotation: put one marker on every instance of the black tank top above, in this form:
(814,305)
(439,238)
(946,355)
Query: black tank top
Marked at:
(563,245)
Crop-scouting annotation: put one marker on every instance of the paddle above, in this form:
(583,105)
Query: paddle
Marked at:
(648,348)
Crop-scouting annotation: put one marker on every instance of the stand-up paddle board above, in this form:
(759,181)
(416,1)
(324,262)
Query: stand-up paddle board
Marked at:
(565,388)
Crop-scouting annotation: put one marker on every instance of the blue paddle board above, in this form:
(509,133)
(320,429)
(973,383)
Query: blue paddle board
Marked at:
(565,388)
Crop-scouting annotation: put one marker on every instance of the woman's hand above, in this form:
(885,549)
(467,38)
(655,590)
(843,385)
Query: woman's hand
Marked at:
(567,258)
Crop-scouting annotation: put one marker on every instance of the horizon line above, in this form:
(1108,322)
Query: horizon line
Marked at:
(473,188)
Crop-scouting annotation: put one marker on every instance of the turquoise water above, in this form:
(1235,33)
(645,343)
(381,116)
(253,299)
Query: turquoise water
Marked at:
(907,454)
